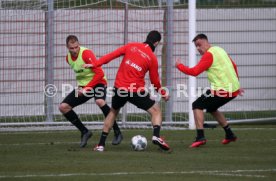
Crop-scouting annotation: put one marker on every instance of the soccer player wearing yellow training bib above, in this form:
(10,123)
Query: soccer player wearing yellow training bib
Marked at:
(223,76)
(91,83)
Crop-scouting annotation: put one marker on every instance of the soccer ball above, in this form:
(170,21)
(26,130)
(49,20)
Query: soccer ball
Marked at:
(139,143)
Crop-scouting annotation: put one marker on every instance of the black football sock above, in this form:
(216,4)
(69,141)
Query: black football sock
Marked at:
(105,109)
(156,130)
(228,131)
(200,134)
(116,128)
(103,138)
(74,119)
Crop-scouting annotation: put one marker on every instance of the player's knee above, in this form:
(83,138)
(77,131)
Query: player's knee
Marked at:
(63,107)
(155,110)
(100,102)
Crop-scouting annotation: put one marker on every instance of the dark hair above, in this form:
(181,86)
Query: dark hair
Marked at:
(153,37)
(200,36)
(72,38)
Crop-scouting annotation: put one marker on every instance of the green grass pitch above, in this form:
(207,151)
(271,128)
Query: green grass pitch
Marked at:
(55,155)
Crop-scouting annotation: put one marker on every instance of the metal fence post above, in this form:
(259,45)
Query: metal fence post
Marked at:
(124,109)
(192,60)
(49,64)
(169,60)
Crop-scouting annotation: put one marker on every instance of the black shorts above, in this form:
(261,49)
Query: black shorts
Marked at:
(142,100)
(98,92)
(210,102)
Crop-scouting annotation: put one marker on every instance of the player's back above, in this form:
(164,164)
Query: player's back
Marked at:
(138,57)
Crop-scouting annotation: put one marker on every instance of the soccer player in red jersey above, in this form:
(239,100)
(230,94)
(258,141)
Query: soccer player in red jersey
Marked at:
(130,84)
(223,76)
(91,82)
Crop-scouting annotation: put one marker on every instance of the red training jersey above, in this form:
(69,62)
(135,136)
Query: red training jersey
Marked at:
(138,60)
(88,57)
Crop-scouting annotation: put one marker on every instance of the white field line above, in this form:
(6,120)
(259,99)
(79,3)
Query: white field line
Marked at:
(64,143)
(235,173)
(128,130)
(253,129)
(40,143)
(170,141)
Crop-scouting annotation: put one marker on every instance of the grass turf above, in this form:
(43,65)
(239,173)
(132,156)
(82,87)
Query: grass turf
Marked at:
(55,155)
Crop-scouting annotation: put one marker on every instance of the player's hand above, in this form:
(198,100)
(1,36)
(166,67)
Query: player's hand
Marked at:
(178,61)
(84,91)
(241,91)
(164,94)
(80,92)
(87,65)
(166,97)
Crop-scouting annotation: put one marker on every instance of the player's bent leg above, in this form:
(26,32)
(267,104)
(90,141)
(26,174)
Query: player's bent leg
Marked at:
(156,119)
(64,108)
(199,118)
(71,116)
(229,135)
(108,123)
(156,115)
(220,118)
(109,120)
(118,137)
(199,121)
